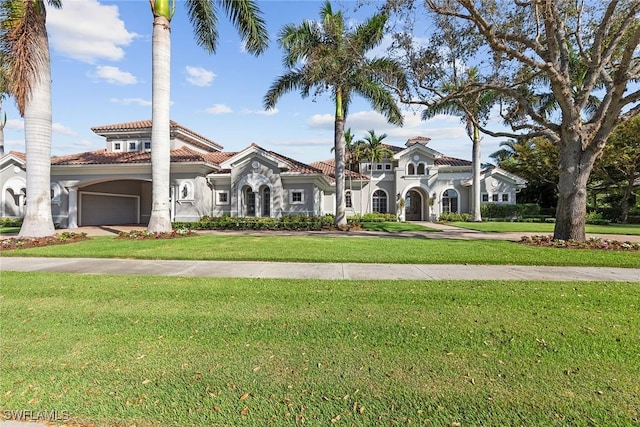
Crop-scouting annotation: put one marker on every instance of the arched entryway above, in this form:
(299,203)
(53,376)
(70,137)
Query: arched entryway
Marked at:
(414,206)
(248,201)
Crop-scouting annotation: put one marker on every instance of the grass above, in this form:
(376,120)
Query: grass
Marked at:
(122,350)
(396,227)
(9,230)
(394,250)
(546,228)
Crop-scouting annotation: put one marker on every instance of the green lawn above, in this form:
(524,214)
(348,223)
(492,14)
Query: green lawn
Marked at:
(396,227)
(394,250)
(171,351)
(8,230)
(545,228)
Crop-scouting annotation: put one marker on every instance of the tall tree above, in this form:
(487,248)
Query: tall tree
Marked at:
(574,50)
(246,17)
(325,55)
(24,42)
(619,165)
(4,91)
(375,152)
(473,110)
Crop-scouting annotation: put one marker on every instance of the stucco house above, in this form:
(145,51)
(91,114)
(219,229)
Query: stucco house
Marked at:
(113,186)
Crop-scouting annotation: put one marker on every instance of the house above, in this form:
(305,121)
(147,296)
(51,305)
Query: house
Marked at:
(113,186)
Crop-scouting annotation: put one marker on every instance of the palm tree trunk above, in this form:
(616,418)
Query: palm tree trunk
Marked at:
(339,144)
(477,216)
(2,123)
(38,221)
(160,220)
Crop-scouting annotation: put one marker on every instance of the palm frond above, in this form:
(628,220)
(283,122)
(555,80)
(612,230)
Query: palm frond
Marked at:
(203,18)
(286,83)
(247,18)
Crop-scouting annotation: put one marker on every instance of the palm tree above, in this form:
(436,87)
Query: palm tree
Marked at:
(325,56)
(471,108)
(245,16)
(375,151)
(4,90)
(24,43)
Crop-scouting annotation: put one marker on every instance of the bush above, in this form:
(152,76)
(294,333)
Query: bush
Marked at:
(287,222)
(498,210)
(10,222)
(378,217)
(595,218)
(454,217)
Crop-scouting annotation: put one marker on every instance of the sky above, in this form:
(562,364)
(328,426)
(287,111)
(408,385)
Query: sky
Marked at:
(101,75)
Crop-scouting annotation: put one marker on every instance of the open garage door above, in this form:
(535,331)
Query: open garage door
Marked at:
(108,209)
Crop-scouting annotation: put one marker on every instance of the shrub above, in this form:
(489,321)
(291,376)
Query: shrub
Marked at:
(10,222)
(286,222)
(455,217)
(378,217)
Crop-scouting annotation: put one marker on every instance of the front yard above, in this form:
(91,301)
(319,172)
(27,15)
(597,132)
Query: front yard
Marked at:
(171,351)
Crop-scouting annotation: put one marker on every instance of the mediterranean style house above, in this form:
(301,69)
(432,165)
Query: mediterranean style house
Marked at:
(113,186)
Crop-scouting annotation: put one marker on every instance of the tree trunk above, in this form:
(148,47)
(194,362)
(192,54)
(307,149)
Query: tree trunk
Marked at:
(2,123)
(160,220)
(341,216)
(38,221)
(626,194)
(571,213)
(475,184)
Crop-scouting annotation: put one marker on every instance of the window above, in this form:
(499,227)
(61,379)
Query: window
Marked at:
(485,197)
(117,146)
(296,197)
(387,166)
(185,191)
(379,201)
(505,197)
(347,199)
(133,146)
(494,197)
(369,167)
(266,202)
(147,145)
(223,198)
(450,201)
(379,167)
(420,169)
(411,169)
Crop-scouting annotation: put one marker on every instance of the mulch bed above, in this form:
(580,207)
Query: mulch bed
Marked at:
(593,243)
(58,239)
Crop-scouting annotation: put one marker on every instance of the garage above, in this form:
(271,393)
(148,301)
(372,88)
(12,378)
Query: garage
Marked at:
(108,209)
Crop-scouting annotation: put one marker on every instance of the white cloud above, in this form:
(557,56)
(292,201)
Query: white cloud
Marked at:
(88,31)
(198,76)
(321,121)
(14,124)
(128,101)
(114,75)
(219,109)
(270,112)
(62,130)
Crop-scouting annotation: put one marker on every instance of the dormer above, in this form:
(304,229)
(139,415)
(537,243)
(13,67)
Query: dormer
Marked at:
(422,140)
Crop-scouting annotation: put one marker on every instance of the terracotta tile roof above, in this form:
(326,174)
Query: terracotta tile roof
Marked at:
(328,169)
(18,154)
(146,124)
(451,161)
(103,157)
(394,148)
(296,166)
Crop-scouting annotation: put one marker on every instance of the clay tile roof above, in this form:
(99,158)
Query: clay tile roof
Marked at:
(395,149)
(451,161)
(103,157)
(146,124)
(328,169)
(18,154)
(296,166)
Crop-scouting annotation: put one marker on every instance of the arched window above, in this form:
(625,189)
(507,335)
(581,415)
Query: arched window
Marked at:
(266,202)
(421,169)
(450,201)
(411,169)
(379,201)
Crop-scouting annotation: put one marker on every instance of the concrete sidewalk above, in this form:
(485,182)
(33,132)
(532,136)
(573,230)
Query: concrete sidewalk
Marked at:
(327,271)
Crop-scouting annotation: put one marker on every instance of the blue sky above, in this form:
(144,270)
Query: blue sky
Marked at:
(101,74)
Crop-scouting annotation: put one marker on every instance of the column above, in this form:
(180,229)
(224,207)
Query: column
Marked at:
(72,221)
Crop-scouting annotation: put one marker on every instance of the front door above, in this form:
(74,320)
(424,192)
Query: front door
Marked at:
(413,208)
